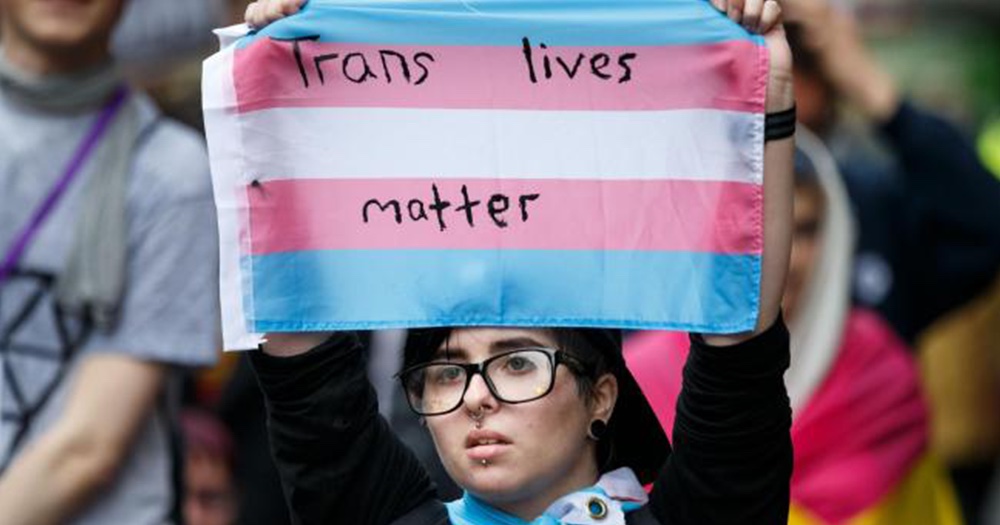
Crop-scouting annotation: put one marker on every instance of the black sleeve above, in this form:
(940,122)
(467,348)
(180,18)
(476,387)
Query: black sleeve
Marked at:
(956,236)
(732,457)
(338,460)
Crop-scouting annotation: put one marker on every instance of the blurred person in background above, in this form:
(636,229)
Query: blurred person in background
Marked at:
(108,266)
(928,250)
(860,421)
(210,496)
(929,226)
(241,407)
(229,389)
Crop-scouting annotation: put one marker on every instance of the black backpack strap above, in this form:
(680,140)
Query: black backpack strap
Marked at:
(430,512)
(175,442)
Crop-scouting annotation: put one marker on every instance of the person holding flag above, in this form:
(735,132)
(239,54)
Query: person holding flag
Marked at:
(546,425)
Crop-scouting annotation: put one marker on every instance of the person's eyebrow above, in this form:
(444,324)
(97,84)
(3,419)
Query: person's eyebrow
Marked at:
(503,345)
(515,343)
(450,354)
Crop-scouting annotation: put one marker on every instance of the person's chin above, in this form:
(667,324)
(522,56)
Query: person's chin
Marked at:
(60,34)
(492,481)
(494,485)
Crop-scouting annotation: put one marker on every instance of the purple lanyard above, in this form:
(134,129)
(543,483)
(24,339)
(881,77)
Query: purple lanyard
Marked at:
(83,152)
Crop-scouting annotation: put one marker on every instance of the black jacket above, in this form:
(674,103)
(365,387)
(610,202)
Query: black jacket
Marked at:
(340,462)
(929,222)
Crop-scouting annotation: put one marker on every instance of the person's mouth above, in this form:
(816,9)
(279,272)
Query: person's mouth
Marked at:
(60,6)
(485,444)
(65,2)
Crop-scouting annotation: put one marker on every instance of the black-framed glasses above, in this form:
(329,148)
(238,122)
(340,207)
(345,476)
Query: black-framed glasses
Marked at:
(518,376)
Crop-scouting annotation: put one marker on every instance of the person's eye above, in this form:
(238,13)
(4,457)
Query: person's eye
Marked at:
(448,374)
(519,363)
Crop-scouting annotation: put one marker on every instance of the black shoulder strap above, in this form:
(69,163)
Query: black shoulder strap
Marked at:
(430,512)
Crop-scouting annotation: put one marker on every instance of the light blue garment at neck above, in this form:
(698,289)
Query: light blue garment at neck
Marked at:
(619,491)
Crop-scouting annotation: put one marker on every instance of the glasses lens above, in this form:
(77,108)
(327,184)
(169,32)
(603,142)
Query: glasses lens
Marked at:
(522,375)
(434,388)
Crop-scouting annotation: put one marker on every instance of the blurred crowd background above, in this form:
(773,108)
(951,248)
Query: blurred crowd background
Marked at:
(945,57)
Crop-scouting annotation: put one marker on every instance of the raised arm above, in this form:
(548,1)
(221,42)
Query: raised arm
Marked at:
(764,17)
(337,458)
(732,452)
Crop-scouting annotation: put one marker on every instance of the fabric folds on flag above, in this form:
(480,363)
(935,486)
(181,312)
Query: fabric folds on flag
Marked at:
(438,163)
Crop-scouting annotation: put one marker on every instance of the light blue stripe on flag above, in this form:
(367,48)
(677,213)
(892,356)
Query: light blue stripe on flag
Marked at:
(506,22)
(364,289)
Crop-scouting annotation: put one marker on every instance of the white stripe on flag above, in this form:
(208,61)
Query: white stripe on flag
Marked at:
(436,143)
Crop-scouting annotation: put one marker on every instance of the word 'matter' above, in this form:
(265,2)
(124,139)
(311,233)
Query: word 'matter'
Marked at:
(496,208)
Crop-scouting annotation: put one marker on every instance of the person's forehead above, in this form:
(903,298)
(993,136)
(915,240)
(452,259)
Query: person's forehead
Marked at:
(480,342)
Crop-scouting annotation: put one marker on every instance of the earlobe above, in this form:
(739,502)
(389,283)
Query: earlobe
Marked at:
(605,397)
(598,429)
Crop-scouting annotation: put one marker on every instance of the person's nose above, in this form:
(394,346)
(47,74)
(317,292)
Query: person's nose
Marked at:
(478,396)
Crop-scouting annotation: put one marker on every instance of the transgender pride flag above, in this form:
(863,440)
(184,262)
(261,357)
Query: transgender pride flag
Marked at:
(501,162)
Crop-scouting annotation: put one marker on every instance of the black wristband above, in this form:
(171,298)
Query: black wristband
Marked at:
(780,125)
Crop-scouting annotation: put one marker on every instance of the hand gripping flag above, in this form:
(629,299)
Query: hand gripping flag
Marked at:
(499,162)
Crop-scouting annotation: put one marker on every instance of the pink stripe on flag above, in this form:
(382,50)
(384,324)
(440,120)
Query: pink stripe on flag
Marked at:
(270,74)
(546,214)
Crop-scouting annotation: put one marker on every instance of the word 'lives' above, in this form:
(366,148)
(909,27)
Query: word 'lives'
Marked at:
(499,208)
(599,64)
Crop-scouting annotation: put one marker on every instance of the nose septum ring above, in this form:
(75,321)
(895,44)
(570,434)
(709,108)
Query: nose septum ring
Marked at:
(477,417)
